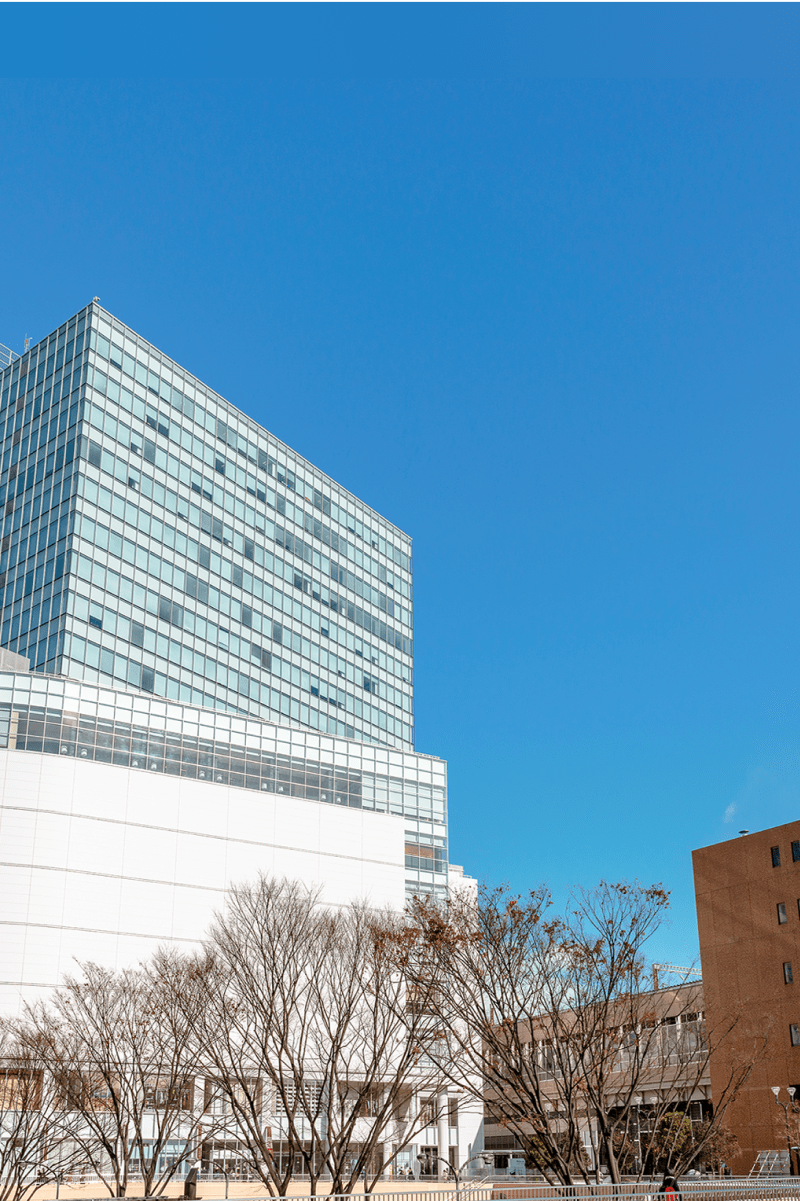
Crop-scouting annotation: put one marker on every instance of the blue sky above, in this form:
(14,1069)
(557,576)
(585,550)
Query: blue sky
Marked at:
(525,278)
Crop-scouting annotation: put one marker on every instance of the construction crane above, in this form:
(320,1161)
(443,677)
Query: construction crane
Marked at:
(671,969)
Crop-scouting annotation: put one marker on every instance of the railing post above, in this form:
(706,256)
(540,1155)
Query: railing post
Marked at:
(773,1188)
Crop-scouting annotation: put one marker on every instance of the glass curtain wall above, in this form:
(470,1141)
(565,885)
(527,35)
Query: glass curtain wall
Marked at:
(156,538)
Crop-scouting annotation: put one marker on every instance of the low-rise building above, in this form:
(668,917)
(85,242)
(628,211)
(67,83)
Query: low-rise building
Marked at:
(748,916)
(667,1074)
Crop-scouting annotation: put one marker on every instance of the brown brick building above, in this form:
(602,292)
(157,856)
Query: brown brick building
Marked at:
(748,914)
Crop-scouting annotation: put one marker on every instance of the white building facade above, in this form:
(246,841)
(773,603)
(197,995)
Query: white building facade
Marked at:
(220,640)
(124,818)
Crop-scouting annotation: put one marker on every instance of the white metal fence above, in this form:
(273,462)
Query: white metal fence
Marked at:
(736,1189)
(786,1188)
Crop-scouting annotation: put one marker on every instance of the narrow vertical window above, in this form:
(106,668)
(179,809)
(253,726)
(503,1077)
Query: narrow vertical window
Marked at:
(782,913)
(787,973)
(776,856)
(794,1035)
(795,852)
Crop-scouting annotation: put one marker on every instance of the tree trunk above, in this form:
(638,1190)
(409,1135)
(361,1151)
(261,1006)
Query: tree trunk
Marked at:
(613,1165)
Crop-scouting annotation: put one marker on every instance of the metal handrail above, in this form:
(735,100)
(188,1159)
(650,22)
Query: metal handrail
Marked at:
(740,1188)
(697,1190)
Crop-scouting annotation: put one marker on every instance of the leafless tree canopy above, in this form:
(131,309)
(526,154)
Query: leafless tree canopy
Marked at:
(37,1138)
(119,1055)
(555,1015)
(302,1018)
(325,1036)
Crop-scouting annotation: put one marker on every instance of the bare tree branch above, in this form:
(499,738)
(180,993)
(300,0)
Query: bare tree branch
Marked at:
(553,1021)
(302,1013)
(37,1139)
(119,1053)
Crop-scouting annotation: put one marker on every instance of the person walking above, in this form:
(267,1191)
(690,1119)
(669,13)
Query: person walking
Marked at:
(670,1189)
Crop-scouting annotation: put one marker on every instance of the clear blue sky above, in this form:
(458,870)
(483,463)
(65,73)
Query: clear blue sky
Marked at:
(525,278)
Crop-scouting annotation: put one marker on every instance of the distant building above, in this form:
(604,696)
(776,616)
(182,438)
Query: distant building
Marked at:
(674,1078)
(460,883)
(748,916)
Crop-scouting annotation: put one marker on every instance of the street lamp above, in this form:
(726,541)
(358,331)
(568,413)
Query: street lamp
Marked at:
(786,1106)
(457,1171)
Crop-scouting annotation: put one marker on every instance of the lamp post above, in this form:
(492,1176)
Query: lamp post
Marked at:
(457,1171)
(786,1106)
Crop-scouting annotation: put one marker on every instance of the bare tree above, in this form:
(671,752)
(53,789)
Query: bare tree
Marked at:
(556,1017)
(303,1015)
(638,1052)
(37,1143)
(370,1047)
(240,997)
(488,968)
(119,1053)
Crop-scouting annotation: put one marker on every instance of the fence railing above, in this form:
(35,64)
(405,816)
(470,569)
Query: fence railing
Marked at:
(692,1189)
(742,1188)
(737,1189)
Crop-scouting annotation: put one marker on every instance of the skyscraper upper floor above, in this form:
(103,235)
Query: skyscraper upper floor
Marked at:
(156,537)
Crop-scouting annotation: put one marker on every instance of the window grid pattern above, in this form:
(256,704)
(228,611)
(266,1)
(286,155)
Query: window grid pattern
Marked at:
(204,562)
(43,715)
(39,415)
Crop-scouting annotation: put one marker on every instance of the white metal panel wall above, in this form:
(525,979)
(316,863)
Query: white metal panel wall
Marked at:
(105,863)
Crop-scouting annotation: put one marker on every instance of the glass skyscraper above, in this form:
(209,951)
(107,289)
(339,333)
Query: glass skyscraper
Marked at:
(221,646)
(157,539)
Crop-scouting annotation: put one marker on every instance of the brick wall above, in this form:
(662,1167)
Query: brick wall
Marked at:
(743,948)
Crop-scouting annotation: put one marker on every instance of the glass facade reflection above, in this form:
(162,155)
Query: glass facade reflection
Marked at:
(155,538)
(41,714)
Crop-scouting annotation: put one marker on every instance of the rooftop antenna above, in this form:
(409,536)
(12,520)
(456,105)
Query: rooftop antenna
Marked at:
(27,343)
(662,969)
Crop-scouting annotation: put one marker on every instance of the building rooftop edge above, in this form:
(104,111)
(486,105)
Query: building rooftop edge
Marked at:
(746,834)
(95,305)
